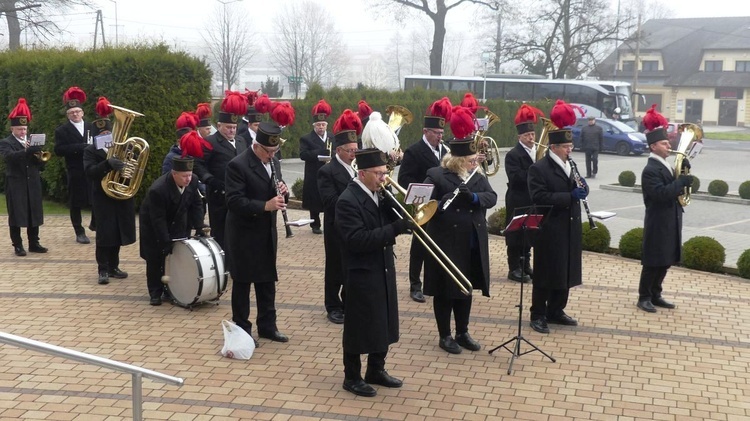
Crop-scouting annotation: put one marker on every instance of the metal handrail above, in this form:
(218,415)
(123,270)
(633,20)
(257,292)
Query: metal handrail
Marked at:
(137,372)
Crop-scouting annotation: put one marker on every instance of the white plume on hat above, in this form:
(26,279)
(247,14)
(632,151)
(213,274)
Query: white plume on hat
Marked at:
(377,134)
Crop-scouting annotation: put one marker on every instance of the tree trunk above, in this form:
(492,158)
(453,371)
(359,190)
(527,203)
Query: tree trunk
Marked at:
(438,39)
(14,30)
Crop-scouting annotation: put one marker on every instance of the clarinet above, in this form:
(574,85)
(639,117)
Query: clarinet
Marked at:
(275,181)
(579,183)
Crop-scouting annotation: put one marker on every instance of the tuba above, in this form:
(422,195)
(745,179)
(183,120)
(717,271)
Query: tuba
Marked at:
(132,151)
(487,145)
(543,144)
(689,132)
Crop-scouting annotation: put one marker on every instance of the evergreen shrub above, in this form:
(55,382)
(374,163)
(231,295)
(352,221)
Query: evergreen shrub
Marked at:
(743,264)
(297,188)
(626,178)
(703,253)
(631,244)
(718,188)
(496,221)
(595,240)
(745,190)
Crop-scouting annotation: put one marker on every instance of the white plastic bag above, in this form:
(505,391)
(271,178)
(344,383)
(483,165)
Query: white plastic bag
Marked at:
(237,343)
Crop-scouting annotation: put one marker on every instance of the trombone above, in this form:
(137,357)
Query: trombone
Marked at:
(423,213)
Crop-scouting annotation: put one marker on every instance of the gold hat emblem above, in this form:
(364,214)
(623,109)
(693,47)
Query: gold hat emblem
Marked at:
(234,118)
(274,140)
(473,146)
(569,135)
(441,122)
(351,136)
(23,121)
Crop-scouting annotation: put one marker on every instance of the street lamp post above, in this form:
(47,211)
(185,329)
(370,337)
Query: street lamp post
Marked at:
(117,32)
(485,60)
(225,41)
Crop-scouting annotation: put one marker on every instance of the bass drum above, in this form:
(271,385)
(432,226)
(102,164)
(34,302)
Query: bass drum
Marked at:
(196,271)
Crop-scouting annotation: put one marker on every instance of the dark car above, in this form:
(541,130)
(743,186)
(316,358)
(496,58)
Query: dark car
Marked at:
(618,136)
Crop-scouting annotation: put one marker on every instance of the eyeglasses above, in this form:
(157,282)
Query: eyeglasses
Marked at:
(378,174)
(269,151)
(435,132)
(567,146)
(75,111)
(350,151)
(473,161)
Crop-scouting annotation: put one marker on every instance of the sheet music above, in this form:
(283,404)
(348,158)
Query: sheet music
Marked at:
(602,214)
(695,149)
(418,193)
(325,158)
(103,141)
(37,139)
(300,222)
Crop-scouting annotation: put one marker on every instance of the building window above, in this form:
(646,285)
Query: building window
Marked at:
(628,65)
(650,66)
(742,66)
(713,66)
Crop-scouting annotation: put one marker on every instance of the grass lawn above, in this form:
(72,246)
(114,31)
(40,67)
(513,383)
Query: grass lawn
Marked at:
(727,136)
(50,208)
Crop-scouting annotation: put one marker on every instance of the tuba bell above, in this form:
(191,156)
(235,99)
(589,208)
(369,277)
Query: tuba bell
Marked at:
(689,132)
(543,144)
(487,145)
(124,184)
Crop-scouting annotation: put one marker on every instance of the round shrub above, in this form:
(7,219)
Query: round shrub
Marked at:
(745,190)
(627,178)
(297,188)
(631,244)
(743,264)
(496,221)
(718,188)
(595,240)
(703,253)
(696,184)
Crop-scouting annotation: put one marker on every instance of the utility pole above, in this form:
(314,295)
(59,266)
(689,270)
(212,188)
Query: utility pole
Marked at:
(117,32)
(97,26)
(637,64)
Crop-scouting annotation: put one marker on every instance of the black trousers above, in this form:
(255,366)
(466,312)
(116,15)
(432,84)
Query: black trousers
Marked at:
(416,260)
(549,303)
(76,220)
(461,308)
(217,217)
(265,298)
(32,233)
(353,364)
(650,286)
(592,162)
(517,251)
(334,272)
(154,272)
(108,259)
(315,216)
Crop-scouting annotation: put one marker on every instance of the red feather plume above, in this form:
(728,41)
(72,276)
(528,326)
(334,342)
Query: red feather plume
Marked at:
(283,114)
(653,119)
(527,114)
(322,107)
(462,122)
(74,92)
(21,110)
(251,96)
(263,104)
(563,114)
(186,119)
(363,109)
(441,108)
(102,107)
(203,110)
(470,102)
(234,103)
(348,120)
(192,144)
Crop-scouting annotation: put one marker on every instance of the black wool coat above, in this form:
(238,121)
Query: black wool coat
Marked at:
(70,144)
(371,302)
(23,185)
(454,230)
(115,219)
(214,164)
(418,158)
(662,226)
(332,181)
(167,215)
(251,237)
(557,246)
(517,163)
(310,146)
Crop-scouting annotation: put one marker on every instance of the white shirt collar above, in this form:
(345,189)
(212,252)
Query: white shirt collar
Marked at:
(437,152)
(662,160)
(373,195)
(564,165)
(348,167)
(21,141)
(530,151)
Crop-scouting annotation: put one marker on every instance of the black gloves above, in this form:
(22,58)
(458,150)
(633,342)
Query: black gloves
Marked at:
(401,226)
(31,150)
(216,185)
(579,193)
(166,248)
(685,180)
(115,164)
(465,194)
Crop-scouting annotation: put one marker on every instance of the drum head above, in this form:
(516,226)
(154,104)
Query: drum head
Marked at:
(182,268)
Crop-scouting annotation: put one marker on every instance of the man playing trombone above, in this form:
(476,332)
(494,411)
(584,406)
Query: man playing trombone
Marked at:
(460,230)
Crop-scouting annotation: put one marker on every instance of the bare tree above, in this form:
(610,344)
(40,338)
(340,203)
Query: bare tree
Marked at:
(226,36)
(308,48)
(32,16)
(437,11)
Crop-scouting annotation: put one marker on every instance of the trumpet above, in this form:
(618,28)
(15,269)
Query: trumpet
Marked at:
(423,214)
(43,156)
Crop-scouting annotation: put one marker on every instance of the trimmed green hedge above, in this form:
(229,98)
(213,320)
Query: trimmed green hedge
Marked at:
(627,178)
(743,264)
(703,253)
(595,240)
(150,79)
(718,188)
(297,187)
(745,190)
(631,244)
(496,221)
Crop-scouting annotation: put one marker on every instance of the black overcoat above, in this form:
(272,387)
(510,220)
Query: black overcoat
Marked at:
(453,230)
(115,219)
(23,185)
(557,247)
(517,163)
(167,215)
(310,146)
(371,302)
(418,158)
(214,164)
(332,181)
(70,144)
(662,226)
(251,237)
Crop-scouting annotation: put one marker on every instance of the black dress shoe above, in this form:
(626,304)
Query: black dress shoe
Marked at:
(274,336)
(517,276)
(317,231)
(359,388)
(19,250)
(103,278)
(540,325)
(661,302)
(529,271)
(449,345)
(646,306)
(117,273)
(382,378)
(37,248)
(563,319)
(467,342)
(155,301)
(92,227)
(417,296)
(336,316)
(82,239)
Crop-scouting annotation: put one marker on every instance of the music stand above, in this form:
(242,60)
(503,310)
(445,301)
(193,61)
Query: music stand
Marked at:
(527,218)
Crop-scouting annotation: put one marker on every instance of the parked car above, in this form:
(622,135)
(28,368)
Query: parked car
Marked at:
(673,135)
(618,137)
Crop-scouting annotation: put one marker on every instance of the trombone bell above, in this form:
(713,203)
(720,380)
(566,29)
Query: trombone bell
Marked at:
(422,213)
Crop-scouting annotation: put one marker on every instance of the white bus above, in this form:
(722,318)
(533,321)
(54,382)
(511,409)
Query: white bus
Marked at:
(597,97)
